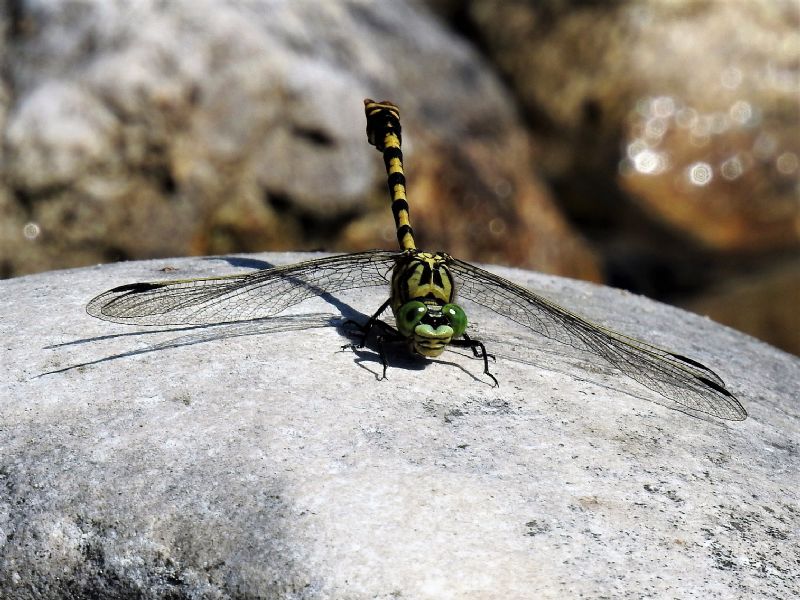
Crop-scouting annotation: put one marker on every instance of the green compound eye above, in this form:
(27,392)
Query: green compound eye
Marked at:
(409,315)
(457,318)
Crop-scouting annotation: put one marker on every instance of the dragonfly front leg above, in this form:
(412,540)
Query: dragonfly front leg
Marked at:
(382,353)
(479,351)
(475,346)
(367,328)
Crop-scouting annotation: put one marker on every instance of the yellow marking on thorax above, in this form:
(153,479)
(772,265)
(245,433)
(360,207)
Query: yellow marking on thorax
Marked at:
(407,281)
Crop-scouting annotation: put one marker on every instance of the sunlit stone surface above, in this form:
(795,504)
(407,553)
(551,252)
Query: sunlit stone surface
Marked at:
(222,463)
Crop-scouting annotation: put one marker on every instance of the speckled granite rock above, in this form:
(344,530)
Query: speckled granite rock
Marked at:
(216,463)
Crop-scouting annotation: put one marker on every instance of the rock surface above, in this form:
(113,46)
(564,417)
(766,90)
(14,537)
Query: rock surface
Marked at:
(216,463)
(135,130)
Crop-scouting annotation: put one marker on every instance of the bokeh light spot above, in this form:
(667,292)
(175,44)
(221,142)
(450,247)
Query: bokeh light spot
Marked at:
(31,231)
(741,112)
(655,128)
(731,78)
(700,173)
(787,163)
(649,162)
(686,118)
(663,107)
(765,146)
(497,226)
(732,168)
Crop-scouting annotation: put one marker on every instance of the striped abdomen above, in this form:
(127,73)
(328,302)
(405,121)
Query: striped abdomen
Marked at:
(383,132)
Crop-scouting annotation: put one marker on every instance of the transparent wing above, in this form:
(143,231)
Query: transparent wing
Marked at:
(677,378)
(255,295)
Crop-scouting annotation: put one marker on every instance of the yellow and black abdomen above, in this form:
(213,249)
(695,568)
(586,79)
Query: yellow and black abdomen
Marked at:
(383,132)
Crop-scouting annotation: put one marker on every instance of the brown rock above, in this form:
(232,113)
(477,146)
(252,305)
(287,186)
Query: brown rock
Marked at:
(690,106)
(765,305)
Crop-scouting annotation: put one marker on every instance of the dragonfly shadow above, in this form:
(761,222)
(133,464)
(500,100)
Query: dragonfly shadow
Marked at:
(206,333)
(243,262)
(400,358)
(369,354)
(396,352)
(569,362)
(478,363)
(346,323)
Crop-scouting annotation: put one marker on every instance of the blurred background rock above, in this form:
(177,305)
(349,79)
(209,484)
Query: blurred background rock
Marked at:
(650,144)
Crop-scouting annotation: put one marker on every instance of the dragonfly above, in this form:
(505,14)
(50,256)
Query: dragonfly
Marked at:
(423,289)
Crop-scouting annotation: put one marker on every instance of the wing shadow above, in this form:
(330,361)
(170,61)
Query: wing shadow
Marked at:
(582,366)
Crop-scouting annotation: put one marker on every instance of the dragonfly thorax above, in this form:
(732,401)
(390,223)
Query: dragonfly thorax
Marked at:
(424,276)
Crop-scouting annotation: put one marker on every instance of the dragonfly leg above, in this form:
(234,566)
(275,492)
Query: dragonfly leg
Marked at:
(366,329)
(479,351)
(381,339)
(381,342)
(382,353)
(475,346)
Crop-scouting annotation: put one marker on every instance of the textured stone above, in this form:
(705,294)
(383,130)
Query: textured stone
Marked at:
(216,463)
(194,127)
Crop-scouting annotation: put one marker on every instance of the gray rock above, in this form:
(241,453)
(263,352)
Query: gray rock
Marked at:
(135,130)
(216,463)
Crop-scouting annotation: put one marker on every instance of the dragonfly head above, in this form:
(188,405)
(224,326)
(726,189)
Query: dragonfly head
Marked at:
(429,327)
